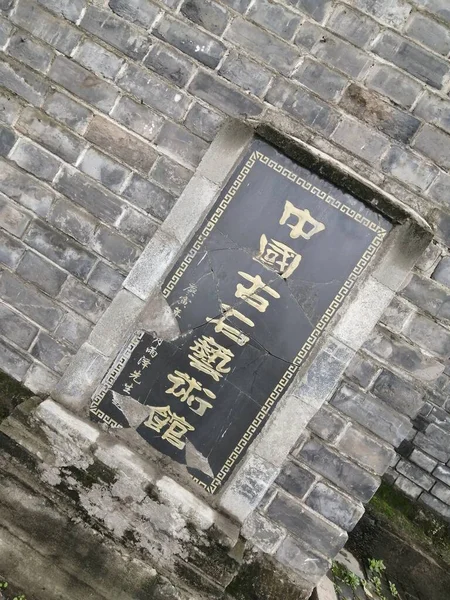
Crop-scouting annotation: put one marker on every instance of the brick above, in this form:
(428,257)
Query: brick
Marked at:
(409,168)
(95,58)
(412,58)
(361,371)
(366,450)
(35,160)
(404,356)
(11,218)
(7,140)
(25,189)
(49,134)
(105,170)
(423,461)
(436,505)
(390,12)
(316,9)
(137,117)
(56,32)
(308,34)
(353,26)
(429,335)
(394,84)
(317,77)
(27,300)
(182,143)
(83,83)
(71,220)
(9,107)
(264,534)
(345,474)
(40,380)
(360,139)
(42,273)
(443,474)
(345,57)
(5,31)
(153,91)
(429,259)
(81,190)
(170,175)
(69,9)
(397,393)
(369,107)
(245,73)
(295,480)
(327,424)
(116,32)
(306,525)
(435,450)
(73,329)
(191,41)
(429,33)
(136,227)
(60,249)
(262,45)
(409,488)
(203,121)
(115,248)
(11,250)
(334,506)
(396,315)
(83,300)
(67,111)
(429,296)
(148,196)
(142,12)
(210,15)
(441,222)
(298,558)
(218,93)
(238,5)
(373,415)
(51,353)
(13,363)
(442,272)
(15,328)
(434,109)
(23,82)
(435,144)
(415,474)
(6,5)
(274,17)
(170,64)
(28,51)
(106,280)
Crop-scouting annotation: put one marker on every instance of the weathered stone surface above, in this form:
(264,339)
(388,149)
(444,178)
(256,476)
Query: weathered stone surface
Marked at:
(394,84)
(171,175)
(393,13)
(264,534)
(328,84)
(434,143)
(203,121)
(245,73)
(15,328)
(11,250)
(423,461)
(352,25)
(83,300)
(295,480)
(182,143)
(24,82)
(72,220)
(429,335)
(429,33)
(137,117)
(142,12)
(54,355)
(13,220)
(327,424)
(13,363)
(95,58)
(210,15)
(149,197)
(274,17)
(343,56)
(67,111)
(25,189)
(368,451)
(297,557)
(362,371)
(105,170)
(115,248)
(73,329)
(34,159)
(360,139)
(169,64)
(334,506)
(23,48)
(105,279)
(415,474)
(44,274)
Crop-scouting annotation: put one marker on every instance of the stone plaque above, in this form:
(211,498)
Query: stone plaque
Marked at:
(252,293)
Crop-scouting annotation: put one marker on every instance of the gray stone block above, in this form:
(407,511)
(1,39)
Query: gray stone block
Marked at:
(210,15)
(192,41)
(56,32)
(394,84)
(95,58)
(431,446)
(45,275)
(434,109)
(11,250)
(7,140)
(50,134)
(116,32)
(436,505)
(136,226)
(142,12)
(302,560)
(153,91)
(415,474)
(362,371)
(150,197)
(264,534)
(316,9)
(52,354)
(409,488)
(372,414)
(13,363)
(308,34)
(327,424)
(71,220)
(40,380)
(368,451)
(442,473)
(274,17)
(137,117)
(27,300)
(81,190)
(295,480)
(182,143)
(169,64)
(245,73)
(343,473)
(73,329)
(105,279)
(423,461)
(105,170)
(434,143)
(34,159)
(23,82)
(83,83)
(69,9)
(9,107)
(393,13)
(238,5)
(345,57)
(440,189)
(326,83)
(429,296)
(396,315)
(408,167)
(15,328)
(397,393)
(82,300)
(60,249)
(25,189)
(306,525)
(115,248)
(171,175)
(67,111)
(334,506)
(26,50)
(263,45)
(441,221)
(352,25)
(429,33)
(12,219)
(203,121)
(412,58)
(361,140)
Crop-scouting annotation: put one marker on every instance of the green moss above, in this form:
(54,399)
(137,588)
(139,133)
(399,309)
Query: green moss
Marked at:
(12,393)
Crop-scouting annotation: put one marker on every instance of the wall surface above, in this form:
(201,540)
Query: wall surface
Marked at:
(107,109)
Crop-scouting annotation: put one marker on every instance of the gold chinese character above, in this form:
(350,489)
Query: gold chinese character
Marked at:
(275,253)
(205,353)
(184,300)
(135,376)
(144,362)
(250,296)
(127,388)
(304,218)
(162,416)
(152,351)
(227,329)
(177,312)
(191,289)
(184,387)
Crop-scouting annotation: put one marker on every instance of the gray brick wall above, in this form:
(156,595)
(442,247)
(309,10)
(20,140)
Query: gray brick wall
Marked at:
(106,109)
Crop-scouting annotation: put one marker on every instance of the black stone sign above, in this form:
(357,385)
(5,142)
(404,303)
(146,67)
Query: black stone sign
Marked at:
(252,293)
